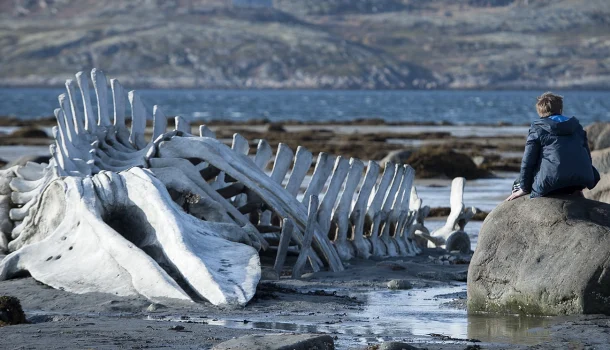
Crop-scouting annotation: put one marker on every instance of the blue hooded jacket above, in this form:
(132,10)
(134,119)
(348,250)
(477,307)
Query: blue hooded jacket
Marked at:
(556,156)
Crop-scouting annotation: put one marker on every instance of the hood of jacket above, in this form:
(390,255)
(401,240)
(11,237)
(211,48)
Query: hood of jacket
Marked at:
(558,125)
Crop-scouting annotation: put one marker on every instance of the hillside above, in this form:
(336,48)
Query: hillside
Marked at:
(346,44)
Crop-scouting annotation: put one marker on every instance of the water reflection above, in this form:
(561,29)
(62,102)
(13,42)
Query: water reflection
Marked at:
(411,314)
(511,329)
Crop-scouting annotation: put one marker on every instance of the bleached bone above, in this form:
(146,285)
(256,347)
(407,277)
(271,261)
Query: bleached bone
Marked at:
(204,131)
(243,169)
(400,217)
(159,122)
(75,226)
(83,85)
(375,207)
(391,246)
(328,203)
(182,125)
(452,236)
(176,172)
(302,162)
(100,84)
(281,165)
(362,245)
(138,121)
(282,249)
(344,247)
(205,184)
(312,213)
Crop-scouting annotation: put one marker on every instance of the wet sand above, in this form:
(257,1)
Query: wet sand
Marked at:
(355,307)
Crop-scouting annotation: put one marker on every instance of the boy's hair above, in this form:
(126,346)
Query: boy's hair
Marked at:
(549,104)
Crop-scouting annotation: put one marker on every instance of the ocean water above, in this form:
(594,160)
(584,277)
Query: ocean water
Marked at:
(457,107)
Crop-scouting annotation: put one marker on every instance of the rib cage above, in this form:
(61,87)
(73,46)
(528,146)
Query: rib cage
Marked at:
(361,212)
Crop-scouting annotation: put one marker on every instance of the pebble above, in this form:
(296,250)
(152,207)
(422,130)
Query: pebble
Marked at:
(154,307)
(399,284)
(394,345)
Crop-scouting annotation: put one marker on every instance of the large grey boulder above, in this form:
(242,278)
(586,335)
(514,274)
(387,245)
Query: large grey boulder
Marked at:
(279,342)
(543,256)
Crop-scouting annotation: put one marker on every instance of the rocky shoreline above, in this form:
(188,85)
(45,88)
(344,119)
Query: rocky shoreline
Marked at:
(368,139)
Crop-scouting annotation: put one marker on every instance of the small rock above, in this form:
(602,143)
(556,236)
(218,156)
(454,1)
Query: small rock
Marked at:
(29,132)
(446,262)
(279,342)
(400,284)
(275,127)
(154,307)
(394,345)
(308,275)
(478,160)
(392,265)
(269,275)
(177,328)
(397,157)
(10,311)
(460,276)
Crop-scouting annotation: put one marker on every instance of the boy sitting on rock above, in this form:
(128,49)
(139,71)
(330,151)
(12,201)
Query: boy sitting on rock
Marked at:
(557,159)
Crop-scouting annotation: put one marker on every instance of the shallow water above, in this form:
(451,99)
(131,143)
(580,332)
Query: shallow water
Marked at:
(408,315)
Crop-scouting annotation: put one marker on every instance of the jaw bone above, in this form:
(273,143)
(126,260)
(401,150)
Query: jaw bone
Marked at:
(122,234)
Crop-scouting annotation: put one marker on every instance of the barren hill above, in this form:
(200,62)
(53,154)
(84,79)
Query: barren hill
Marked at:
(353,44)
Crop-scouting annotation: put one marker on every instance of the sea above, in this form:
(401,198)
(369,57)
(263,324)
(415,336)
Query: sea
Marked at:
(467,107)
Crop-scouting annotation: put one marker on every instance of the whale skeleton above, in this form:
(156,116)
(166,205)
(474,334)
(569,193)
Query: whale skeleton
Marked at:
(178,215)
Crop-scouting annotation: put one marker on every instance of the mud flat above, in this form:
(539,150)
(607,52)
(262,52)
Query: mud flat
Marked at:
(355,307)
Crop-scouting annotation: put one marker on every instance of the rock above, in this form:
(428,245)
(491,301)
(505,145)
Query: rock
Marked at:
(601,192)
(594,131)
(154,307)
(398,156)
(10,311)
(275,127)
(460,276)
(439,212)
(400,284)
(543,256)
(394,345)
(392,265)
(601,160)
(478,160)
(29,158)
(279,342)
(29,132)
(440,162)
(268,274)
(603,140)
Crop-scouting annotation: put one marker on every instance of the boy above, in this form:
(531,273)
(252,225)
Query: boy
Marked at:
(557,159)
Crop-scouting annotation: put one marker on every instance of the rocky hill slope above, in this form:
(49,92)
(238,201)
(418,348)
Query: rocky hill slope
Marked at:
(347,44)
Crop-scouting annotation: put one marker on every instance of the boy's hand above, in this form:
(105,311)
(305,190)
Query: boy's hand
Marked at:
(516,195)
